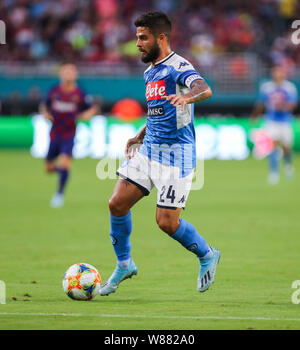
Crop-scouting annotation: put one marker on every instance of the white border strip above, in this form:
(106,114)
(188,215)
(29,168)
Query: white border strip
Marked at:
(148,316)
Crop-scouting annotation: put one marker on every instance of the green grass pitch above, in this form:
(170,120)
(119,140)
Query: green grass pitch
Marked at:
(256,227)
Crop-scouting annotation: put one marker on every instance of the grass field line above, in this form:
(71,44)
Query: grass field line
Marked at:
(241,318)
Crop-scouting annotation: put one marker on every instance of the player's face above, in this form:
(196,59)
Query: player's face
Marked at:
(68,73)
(278,74)
(147,45)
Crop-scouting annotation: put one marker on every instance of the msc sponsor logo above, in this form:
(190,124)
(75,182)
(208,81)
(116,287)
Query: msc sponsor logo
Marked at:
(156,111)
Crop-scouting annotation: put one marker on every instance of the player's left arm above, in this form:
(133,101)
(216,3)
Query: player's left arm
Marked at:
(286,107)
(290,104)
(89,108)
(200,91)
(89,113)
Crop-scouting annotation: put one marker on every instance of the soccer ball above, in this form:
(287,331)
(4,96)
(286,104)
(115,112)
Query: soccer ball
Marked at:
(81,282)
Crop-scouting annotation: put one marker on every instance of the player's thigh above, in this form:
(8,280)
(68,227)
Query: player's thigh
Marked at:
(173,191)
(172,195)
(287,138)
(53,152)
(65,153)
(168,219)
(124,196)
(274,131)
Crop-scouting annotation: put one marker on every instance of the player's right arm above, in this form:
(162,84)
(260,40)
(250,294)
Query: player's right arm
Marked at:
(259,107)
(134,143)
(45,106)
(45,112)
(258,110)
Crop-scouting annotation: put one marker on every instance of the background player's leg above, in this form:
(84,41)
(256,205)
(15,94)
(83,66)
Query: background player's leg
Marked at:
(50,166)
(50,161)
(287,145)
(273,165)
(182,231)
(288,166)
(63,169)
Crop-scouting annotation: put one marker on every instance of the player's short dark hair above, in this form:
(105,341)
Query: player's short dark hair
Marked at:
(67,62)
(157,22)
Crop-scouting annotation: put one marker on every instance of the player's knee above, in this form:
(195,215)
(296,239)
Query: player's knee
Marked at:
(49,168)
(117,207)
(167,225)
(64,167)
(65,163)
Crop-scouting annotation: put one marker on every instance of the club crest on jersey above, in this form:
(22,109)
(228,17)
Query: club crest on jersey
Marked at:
(155,90)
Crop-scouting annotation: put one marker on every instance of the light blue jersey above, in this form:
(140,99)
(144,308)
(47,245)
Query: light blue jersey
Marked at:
(272,95)
(170,134)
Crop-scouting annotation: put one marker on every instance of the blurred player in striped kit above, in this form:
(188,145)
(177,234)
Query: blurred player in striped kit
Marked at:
(64,104)
(278,99)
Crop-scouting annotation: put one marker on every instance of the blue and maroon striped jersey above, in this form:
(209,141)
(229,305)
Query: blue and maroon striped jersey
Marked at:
(65,106)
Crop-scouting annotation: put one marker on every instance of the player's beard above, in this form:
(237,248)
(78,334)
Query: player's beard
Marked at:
(152,55)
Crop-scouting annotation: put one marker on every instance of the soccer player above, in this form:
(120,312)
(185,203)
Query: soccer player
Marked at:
(166,158)
(278,98)
(64,104)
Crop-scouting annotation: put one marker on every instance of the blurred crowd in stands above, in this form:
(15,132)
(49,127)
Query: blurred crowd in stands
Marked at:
(99,35)
(103,31)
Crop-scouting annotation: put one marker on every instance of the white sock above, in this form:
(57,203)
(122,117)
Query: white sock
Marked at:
(208,255)
(124,264)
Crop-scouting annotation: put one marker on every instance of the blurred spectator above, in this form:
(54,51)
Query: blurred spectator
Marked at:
(103,30)
(34,95)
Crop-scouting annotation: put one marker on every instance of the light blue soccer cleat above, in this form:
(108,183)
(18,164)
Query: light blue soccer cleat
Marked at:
(117,277)
(57,200)
(208,270)
(273,178)
(289,171)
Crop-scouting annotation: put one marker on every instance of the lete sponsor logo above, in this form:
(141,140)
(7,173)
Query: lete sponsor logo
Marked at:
(155,90)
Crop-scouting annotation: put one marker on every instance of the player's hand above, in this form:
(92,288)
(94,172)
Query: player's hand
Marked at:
(48,116)
(132,146)
(176,100)
(281,107)
(253,120)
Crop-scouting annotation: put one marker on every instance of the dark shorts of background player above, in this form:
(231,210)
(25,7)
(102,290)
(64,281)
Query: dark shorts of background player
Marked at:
(60,146)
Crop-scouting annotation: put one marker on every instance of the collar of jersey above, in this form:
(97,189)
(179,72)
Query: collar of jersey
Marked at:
(164,59)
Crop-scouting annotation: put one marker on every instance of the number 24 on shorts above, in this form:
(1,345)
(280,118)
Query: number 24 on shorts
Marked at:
(170,194)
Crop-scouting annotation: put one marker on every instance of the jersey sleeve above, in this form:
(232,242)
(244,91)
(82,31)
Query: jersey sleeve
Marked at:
(185,74)
(48,98)
(263,95)
(86,101)
(292,94)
